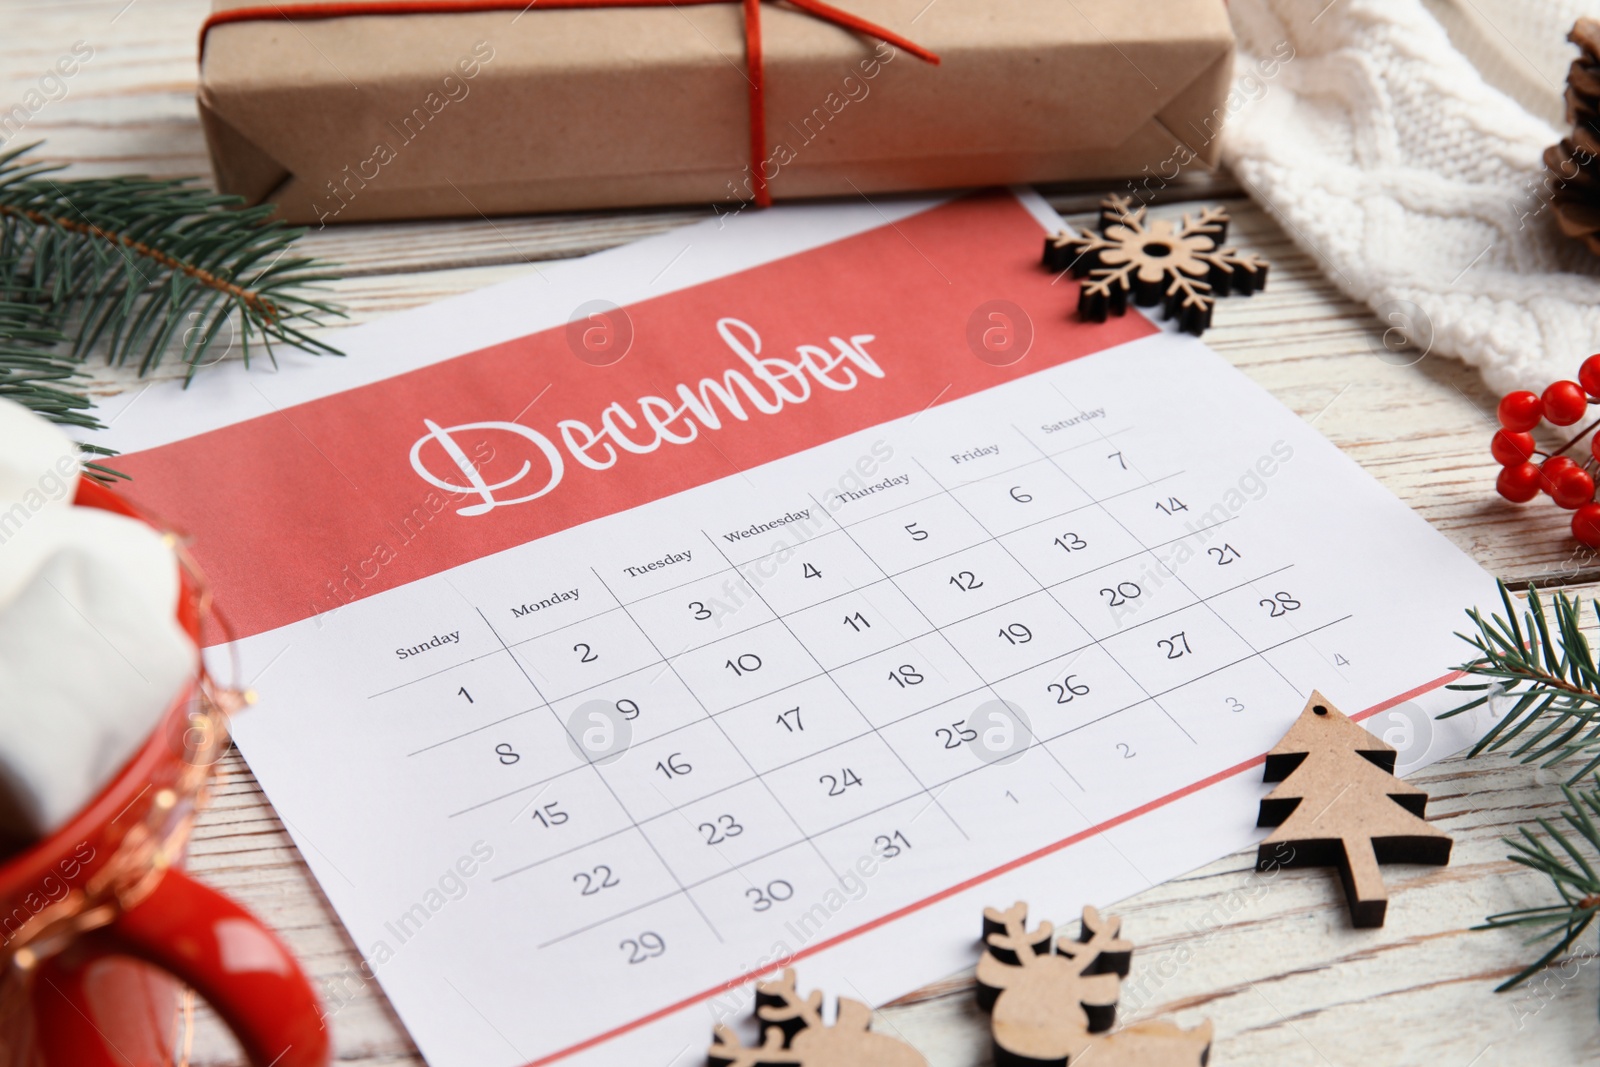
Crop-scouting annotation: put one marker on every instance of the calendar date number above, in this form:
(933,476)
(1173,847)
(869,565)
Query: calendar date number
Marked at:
(1066,689)
(1122,593)
(888,846)
(775,891)
(836,784)
(592,882)
(720,829)
(906,674)
(956,734)
(647,946)
(674,766)
(1176,646)
(550,815)
(1223,554)
(1280,604)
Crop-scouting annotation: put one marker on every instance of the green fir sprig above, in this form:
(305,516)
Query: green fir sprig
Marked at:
(1551,684)
(1541,665)
(135,270)
(1572,873)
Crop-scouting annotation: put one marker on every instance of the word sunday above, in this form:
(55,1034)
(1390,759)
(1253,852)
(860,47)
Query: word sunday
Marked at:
(765,383)
(436,641)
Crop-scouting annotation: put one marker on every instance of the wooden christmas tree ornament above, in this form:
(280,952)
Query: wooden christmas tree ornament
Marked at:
(1154,262)
(1340,805)
(793,1033)
(1053,1002)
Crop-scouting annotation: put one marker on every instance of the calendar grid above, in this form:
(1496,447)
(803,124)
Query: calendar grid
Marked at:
(839,527)
(890,576)
(1207,601)
(1041,741)
(988,684)
(830,828)
(891,722)
(432,674)
(783,618)
(646,837)
(1046,590)
(754,774)
(722,874)
(651,656)
(927,633)
(1175,574)
(474,730)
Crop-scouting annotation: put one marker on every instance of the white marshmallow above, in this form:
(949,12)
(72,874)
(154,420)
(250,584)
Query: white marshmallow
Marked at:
(91,652)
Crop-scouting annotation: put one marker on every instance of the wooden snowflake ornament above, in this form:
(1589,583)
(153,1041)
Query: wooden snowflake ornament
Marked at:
(1053,1002)
(793,1034)
(1340,805)
(1179,267)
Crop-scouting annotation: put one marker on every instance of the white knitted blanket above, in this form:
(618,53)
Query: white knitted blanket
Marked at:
(1407,160)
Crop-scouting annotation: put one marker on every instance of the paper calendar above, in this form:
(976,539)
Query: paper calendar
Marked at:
(781,591)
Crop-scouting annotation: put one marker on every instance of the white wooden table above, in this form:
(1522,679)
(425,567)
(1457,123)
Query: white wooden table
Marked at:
(1280,973)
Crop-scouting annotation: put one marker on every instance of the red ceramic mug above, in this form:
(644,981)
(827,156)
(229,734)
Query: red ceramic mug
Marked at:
(75,907)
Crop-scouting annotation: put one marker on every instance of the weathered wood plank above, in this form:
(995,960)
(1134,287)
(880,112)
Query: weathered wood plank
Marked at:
(1272,961)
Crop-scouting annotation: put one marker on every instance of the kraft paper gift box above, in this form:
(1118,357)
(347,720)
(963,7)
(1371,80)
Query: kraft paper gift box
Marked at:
(484,112)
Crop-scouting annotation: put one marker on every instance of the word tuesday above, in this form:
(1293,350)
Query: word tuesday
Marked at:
(765,383)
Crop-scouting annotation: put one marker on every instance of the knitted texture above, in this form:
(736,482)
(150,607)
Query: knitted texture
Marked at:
(1417,186)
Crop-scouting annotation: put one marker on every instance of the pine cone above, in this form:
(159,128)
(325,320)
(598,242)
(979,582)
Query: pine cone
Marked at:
(1574,164)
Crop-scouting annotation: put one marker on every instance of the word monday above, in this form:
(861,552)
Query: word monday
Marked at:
(765,383)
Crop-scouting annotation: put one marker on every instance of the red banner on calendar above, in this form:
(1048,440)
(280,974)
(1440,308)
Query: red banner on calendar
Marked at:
(304,510)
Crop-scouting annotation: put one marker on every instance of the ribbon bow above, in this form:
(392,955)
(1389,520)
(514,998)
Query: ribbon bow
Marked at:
(752,38)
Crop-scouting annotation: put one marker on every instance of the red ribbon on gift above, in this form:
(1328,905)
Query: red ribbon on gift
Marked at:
(752,38)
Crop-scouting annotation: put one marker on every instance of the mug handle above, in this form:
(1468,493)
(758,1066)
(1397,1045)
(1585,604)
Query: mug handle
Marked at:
(212,945)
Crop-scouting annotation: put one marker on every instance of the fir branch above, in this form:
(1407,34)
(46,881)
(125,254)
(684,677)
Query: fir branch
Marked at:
(1549,677)
(1569,870)
(31,371)
(138,269)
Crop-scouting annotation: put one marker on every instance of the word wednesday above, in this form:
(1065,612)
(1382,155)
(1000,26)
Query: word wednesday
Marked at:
(769,386)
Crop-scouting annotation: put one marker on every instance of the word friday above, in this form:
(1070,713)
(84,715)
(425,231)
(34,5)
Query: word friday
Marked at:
(769,386)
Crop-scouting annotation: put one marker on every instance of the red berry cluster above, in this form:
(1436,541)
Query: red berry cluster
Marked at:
(1569,483)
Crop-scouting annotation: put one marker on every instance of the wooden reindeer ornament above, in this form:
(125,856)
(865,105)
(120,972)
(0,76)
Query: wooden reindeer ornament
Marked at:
(1340,805)
(793,1034)
(1054,1001)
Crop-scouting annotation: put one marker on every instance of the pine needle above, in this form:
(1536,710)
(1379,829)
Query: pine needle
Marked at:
(137,270)
(1569,869)
(1545,670)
